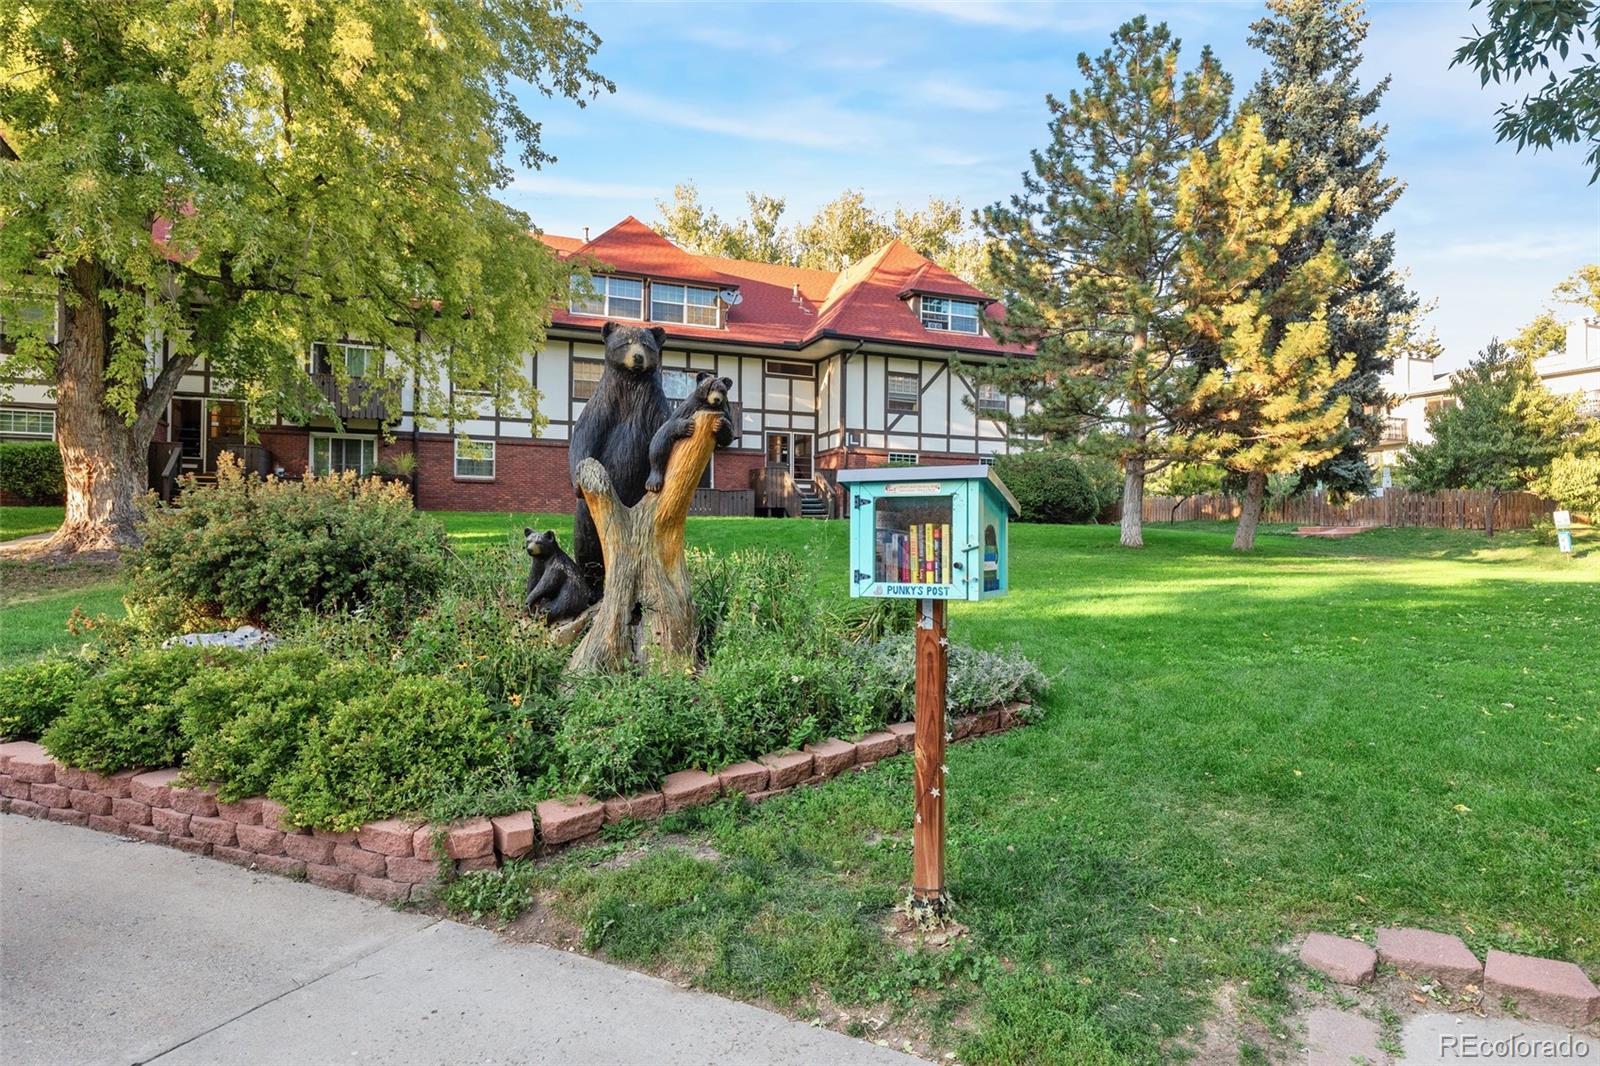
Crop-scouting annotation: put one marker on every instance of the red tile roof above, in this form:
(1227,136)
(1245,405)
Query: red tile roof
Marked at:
(792,306)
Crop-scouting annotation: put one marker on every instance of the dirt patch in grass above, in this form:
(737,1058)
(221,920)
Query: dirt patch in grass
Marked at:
(25,580)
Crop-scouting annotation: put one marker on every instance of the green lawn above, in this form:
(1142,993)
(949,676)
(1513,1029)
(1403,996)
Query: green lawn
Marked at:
(1399,727)
(25,521)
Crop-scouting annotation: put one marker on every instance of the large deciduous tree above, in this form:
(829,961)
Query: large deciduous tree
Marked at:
(842,231)
(1088,254)
(1264,404)
(1500,435)
(1310,95)
(1527,38)
(1547,332)
(236,179)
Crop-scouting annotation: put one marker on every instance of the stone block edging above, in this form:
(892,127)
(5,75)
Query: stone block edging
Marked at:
(1547,990)
(396,859)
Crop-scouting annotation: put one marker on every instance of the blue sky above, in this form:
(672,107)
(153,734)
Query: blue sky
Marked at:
(907,100)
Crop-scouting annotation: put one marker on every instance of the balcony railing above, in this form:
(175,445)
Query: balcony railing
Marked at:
(353,399)
(1394,432)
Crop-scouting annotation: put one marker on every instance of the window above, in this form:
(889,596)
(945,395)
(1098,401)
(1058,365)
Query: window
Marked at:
(608,297)
(475,458)
(780,369)
(957,316)
(683,303)
(985,460)
(902,458)
(585,376)
(905,390)
(677,384)
(32,316)
(331,455)
(23,422)
(990,398)
(359,360)
(1438,403)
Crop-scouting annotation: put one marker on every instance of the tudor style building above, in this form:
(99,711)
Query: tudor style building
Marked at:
(830,371)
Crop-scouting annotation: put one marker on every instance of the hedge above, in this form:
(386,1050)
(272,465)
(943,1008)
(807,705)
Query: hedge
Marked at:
(31,471)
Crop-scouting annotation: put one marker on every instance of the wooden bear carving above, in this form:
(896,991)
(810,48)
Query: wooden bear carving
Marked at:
(710,394)
(556,587)
(616,428)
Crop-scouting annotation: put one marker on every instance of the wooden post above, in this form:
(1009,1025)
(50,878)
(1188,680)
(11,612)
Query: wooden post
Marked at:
(927,884)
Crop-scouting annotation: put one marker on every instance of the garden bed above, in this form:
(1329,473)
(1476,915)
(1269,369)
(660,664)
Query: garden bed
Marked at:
(405,859)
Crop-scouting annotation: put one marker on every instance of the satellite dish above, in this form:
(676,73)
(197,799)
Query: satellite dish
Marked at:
(731,297)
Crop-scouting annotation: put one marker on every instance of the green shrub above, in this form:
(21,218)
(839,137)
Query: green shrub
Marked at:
(754,594)
(35,694)
(127,716)
(771,698)
(393,752)
(976,679)
(31,471)
(621,733)
(1105,478)
(486,643)
(1050,486)
(244,726)
(247,550)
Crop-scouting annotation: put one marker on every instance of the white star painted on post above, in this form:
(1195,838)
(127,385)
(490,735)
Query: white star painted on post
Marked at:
(933,792)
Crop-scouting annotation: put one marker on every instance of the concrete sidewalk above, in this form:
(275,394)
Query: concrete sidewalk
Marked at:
(117,952)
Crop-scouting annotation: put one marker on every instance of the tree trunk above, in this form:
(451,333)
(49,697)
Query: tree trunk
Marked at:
(1255,490)
(1133,466)
(647,614)
(1488,512)
(103,457)
(1133,502)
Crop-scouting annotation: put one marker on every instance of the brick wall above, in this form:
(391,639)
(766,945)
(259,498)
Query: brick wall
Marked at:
(529,476)
(290,448)
(733,468)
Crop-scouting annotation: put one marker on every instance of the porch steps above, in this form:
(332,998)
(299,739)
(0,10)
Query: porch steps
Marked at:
(811,504)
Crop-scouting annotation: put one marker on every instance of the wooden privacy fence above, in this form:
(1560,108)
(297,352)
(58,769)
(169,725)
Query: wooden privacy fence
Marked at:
(1447,509)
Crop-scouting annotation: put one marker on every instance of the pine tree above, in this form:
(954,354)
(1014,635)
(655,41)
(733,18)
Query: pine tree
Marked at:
(1310,95)
(1265,403)
(1501,434)
(1087,254)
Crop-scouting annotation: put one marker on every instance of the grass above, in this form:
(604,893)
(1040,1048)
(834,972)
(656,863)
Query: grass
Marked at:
(26,521)
(1336,735)
(1403,727)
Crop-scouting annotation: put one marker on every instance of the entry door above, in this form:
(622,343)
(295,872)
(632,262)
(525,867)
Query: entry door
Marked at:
(792,452)
(802,457)
(188,429)
(778,451)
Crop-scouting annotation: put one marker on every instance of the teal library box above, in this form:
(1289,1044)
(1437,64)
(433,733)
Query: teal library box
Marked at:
(928,532)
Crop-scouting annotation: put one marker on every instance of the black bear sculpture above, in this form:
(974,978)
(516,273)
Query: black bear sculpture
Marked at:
(616,428)
(556,588)
(710,394)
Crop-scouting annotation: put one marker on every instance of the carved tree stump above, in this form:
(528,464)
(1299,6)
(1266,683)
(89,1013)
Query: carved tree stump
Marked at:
(646,615)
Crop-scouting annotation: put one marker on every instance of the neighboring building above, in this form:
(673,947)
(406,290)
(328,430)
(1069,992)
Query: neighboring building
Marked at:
(1417,389)
(830,371)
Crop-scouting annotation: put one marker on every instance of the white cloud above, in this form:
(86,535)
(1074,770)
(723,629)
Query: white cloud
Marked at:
(551,185)
(963,96)
(1014,16)
(733,40)
(805,122)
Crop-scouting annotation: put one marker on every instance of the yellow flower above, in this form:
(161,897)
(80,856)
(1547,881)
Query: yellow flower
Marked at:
(516,700)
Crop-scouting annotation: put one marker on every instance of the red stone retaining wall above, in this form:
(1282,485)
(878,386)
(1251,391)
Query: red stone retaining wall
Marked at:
(399,859)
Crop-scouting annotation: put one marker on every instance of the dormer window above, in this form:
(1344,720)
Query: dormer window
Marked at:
(607,297)
(685,304)
(955,316)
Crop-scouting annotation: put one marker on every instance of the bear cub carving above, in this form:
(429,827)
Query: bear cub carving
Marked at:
(556,588)
(710,394)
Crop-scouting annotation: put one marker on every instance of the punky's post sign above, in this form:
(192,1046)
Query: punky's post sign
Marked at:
(932,534)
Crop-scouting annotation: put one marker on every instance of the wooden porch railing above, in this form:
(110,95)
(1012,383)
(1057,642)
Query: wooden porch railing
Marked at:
(775,490)
(355,399)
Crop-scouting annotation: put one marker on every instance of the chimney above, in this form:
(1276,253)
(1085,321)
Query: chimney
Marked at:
(586,235)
